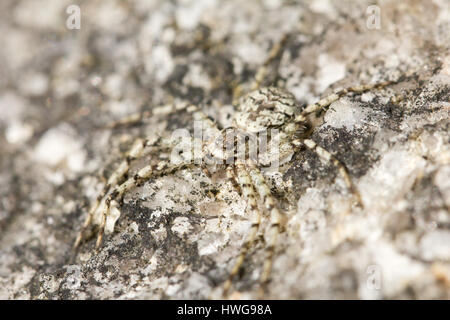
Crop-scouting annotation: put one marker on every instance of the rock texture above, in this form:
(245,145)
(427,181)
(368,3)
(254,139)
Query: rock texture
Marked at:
(178,236)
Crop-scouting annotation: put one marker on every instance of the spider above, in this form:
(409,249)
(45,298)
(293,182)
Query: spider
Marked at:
(261,109)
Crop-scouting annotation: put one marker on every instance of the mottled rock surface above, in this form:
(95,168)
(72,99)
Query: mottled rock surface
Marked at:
(178,236)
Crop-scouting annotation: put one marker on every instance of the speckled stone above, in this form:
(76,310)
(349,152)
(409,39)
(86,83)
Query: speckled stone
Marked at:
(178,236)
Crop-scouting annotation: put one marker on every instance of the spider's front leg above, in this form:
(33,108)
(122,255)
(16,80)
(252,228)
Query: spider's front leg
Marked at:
(247,189)
(118,175)
(110,203)
(106,201)
(276,220)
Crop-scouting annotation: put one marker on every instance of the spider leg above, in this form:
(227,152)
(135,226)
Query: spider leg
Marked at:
(248,191)
(122,170)
(129,120)
(324,103)
(139,117)
(263,70)
(110,202)
(135,152)
(328,157)
(327,101)
(231,175)
(276,219)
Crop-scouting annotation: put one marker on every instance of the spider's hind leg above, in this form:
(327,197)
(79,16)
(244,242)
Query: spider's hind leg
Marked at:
(138,118)
(327,101)
(322,104)
(329,158)
(274,54)
(263,71)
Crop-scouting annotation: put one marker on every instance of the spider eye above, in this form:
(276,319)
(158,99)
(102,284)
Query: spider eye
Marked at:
(302,129)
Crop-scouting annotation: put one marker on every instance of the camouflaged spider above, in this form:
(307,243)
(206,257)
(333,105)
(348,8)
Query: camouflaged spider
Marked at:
(261,109)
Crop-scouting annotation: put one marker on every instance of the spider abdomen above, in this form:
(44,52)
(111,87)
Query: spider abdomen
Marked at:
(265,108)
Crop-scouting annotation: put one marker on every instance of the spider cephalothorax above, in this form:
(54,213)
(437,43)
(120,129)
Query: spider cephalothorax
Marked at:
(262,130)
